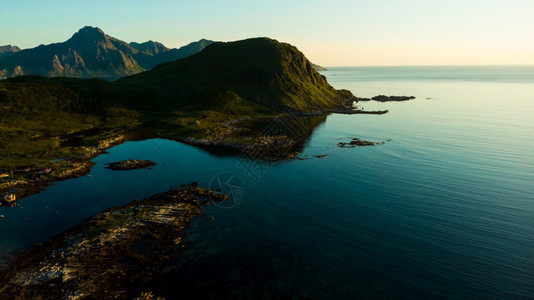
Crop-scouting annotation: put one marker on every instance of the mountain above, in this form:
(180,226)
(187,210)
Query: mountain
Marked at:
(8,50)
(258,73)
(92,53)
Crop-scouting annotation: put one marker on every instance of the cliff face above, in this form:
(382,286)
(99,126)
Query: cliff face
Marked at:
(89,53)
(70,64)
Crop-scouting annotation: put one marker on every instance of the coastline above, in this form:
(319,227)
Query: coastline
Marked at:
(239,137)
(376,202)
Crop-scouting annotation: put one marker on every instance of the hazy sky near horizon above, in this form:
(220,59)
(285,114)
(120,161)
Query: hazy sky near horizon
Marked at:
(330,33)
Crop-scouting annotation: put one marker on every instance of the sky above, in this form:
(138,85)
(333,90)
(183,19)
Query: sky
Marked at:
(330,33)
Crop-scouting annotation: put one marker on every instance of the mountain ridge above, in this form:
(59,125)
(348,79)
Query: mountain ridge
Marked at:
(92,53)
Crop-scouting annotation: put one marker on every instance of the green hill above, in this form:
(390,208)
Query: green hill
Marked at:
(259,74)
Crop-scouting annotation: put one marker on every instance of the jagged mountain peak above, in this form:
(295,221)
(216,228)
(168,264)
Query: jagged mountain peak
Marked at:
(90,31)
(91,35)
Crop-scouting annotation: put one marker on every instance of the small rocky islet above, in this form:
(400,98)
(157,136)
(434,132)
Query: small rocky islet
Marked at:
(111,255)
(131,164)
(357,142)
(384,98)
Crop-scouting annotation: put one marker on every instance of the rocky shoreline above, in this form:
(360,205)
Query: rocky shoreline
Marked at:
(111,255)
(36,180)
(24,188)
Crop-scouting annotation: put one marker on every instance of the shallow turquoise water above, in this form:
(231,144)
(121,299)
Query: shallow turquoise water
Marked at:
(445,208)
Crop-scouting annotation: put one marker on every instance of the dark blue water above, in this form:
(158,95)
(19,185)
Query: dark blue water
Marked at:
(445,208)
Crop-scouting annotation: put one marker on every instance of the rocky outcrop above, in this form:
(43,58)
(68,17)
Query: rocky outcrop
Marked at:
(352,111)
(110,255)
(355,142)
(17,71)
(56,65)
(131,164)
(384,98)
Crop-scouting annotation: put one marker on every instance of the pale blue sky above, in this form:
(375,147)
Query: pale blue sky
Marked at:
(337,32)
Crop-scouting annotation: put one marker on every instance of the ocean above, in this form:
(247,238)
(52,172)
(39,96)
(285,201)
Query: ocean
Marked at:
(441,207)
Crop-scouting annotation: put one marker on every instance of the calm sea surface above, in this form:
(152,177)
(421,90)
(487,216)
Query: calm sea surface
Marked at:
(443,209)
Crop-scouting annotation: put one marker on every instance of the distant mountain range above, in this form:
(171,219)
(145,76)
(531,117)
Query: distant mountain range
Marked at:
(91,53)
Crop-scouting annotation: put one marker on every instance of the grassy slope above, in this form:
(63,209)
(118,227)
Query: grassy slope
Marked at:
(35,112)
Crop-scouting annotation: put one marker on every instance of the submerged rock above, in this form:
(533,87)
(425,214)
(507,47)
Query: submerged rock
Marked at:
(131,164)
